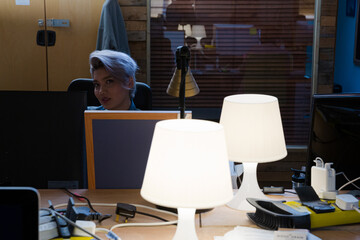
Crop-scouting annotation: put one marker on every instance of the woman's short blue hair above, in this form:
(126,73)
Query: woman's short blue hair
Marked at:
(119,65)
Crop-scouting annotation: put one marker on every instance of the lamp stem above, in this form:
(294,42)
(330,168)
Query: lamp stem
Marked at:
(182,62)
(186,225)
(182,89)
(249,189)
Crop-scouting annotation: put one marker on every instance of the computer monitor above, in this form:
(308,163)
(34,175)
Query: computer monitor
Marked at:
(335,135)
(118,145)
(235,39)
(42,139)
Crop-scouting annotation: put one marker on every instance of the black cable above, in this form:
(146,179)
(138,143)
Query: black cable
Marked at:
(80,196)
(71,222)
(150,215)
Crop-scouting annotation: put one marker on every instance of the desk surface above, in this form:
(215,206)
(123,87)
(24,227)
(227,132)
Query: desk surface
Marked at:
(214,223)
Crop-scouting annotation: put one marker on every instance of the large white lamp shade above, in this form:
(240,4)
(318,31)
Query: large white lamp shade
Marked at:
(254,134)
(187,169)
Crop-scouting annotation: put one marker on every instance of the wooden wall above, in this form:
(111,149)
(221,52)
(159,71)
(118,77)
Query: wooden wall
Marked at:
(327,45)
(135,16)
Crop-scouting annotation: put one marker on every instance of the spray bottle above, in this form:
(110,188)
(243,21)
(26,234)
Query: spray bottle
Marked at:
(298,179)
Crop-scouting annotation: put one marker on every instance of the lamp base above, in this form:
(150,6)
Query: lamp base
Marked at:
(186,225)
(198,44)
(249,189)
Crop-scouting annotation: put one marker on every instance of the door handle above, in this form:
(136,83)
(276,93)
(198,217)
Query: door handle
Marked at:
(54,22)
(40,38)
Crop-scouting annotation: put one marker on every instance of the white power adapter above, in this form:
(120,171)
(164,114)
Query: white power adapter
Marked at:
(323,179)
(347,202)
(87,225)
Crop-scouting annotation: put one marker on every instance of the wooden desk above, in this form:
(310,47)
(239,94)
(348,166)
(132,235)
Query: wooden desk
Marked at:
(214,223)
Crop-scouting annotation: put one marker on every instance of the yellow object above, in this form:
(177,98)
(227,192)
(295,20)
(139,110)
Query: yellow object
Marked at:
(253,31)
(338,217)
(209,46)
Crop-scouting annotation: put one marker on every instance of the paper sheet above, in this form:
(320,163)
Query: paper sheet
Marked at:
(248,233)
(22,2)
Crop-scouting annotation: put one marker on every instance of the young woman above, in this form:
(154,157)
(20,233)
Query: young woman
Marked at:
(114,80)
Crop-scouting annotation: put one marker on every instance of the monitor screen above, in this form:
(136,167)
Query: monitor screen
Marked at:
(235,39)
(42,139)
(118,145)
(335,135)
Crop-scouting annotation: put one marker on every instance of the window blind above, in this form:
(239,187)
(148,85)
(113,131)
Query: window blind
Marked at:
(248,47)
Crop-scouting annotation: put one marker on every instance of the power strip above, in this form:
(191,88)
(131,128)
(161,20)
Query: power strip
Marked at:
(87,225)
(47,229)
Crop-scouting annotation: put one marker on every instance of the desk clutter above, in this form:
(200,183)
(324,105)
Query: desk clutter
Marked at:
(81,220)
(233,222)
(68,222)
(96,212)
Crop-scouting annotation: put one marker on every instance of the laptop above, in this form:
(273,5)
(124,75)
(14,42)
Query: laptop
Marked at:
(19,207)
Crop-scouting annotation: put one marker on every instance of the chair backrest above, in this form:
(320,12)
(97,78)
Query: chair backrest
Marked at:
(142,99)
(143,96)
(85,84)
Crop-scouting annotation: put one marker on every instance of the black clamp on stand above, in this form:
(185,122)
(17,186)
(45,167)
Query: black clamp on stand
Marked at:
(182,62)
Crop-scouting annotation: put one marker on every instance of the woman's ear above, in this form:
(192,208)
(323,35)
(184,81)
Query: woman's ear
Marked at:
(131,82)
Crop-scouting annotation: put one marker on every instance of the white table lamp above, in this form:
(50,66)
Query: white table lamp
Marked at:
(198,32)
(254,134)
(187,169)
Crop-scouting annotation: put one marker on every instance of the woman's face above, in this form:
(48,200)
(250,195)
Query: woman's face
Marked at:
(110,92)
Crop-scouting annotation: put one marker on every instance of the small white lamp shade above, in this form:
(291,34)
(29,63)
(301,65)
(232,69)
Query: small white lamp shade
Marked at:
(198,32)
(187,169)
(186,28)
(254,134)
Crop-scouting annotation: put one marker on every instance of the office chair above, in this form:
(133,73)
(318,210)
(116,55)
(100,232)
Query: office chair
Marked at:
(143,96)
(142,99)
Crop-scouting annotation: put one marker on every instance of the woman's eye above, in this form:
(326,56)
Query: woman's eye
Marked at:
(109,81)
(96,85)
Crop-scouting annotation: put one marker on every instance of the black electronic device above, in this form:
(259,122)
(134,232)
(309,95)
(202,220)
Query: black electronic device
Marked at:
(310,199)
(42,139)
(335,135)
(19,207)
